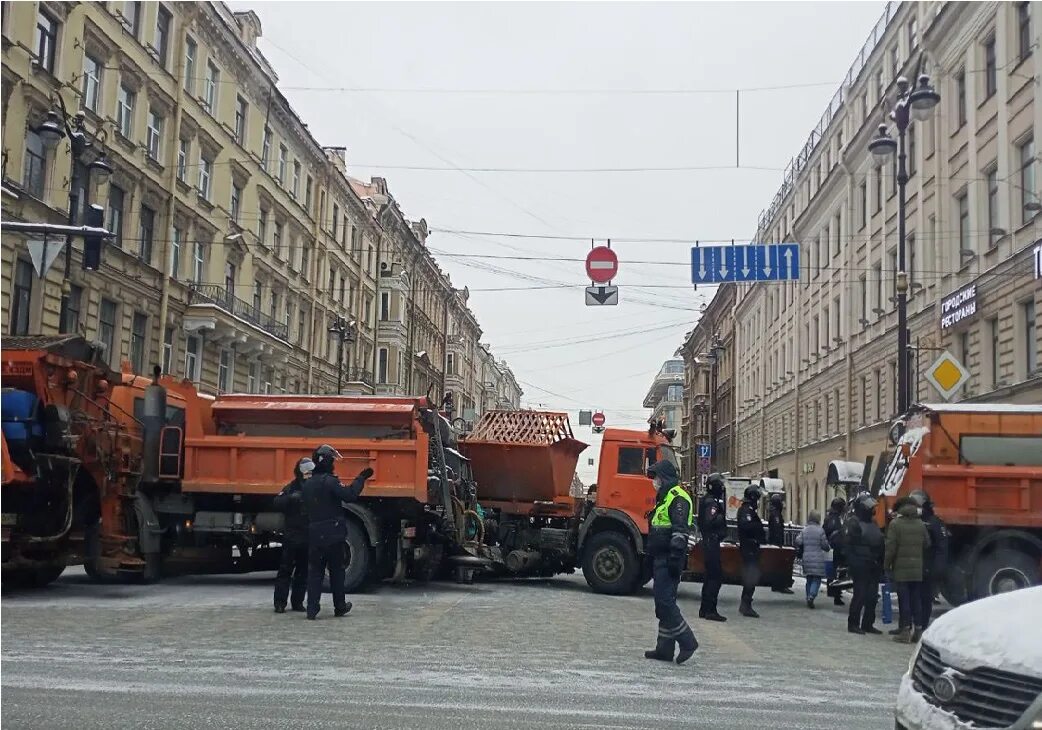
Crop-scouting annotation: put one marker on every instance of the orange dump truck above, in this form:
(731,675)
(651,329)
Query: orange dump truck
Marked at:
(523,463)
(981,464)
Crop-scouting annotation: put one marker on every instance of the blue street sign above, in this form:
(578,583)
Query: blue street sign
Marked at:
(705,451)
(756,262)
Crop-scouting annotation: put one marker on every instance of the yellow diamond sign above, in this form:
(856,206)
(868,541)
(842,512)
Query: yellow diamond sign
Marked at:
(947,375)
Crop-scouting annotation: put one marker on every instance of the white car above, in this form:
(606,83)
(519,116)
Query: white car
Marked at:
(978,666)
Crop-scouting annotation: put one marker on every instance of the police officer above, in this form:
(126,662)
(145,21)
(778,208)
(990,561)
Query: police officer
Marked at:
(712,523)
(863,543)
(324,496)
(669,524)
(776,531)
(935,559)
(294,562)
(833,527)
(750,536)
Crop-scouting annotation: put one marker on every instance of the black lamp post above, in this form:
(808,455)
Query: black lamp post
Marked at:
(918,104)
(716,352)
(345,332)
(87,147)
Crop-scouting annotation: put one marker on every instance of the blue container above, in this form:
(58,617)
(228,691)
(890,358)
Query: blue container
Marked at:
(19,413)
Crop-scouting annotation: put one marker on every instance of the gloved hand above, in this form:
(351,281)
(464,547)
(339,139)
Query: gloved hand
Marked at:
(365,474)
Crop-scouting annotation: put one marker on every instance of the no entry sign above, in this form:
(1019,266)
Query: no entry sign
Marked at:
(598,419)
(602,265)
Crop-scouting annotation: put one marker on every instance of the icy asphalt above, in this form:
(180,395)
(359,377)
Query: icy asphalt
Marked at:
(209,652)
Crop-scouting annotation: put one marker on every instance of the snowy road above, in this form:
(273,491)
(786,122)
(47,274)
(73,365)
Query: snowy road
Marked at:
(208,652)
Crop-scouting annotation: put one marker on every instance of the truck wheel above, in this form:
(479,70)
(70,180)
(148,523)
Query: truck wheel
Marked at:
(357,557)
(955,585)
(610,564)
(1004,570)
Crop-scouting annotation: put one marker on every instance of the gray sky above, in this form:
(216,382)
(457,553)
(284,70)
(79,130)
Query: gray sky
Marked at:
(545,47)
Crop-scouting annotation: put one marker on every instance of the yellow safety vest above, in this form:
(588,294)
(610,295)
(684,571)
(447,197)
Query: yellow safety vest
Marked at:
(660,518)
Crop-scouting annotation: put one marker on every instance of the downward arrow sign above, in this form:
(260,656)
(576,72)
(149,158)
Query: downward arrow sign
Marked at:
(602,295)
(701,264)
(745,264)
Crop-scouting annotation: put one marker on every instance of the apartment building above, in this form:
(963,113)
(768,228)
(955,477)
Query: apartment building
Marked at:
(816,376)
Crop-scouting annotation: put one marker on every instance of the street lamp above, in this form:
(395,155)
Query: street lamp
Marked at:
(345,332)
(918,103)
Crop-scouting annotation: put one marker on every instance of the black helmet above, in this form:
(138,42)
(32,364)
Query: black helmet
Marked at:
(865,505)
(920,498)
(715,482)
(752,493)
(778,499)
(839,504)
(324,457)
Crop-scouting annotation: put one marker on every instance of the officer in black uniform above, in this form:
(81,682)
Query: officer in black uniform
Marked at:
(294,563)
(324,496)
(751,536)
(776,532)
(712,523)
(863,542)
(935,559)
(669,524)
(833,527)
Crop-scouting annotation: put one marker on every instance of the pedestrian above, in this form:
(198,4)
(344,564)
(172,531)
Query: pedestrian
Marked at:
(712,523)
(833,527)
(293,565)
(751,536)
(863,545)
(668,528)
(906,544)
(776,531)
(324,496)
(936,558)
(812,544)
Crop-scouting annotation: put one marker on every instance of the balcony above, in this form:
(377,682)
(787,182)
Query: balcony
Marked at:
(222,298)
(392,329)
(456,340)
(357,375)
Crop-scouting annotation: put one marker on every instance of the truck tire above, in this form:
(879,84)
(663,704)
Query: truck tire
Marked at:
(955,586)
(358,557)
(1004,570)
(610,564)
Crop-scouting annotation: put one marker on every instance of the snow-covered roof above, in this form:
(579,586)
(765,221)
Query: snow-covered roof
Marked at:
(845,472)
(982,408)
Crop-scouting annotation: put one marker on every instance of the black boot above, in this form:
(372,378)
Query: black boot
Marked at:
(746,609)
(714,616)
(663,650)
(298,608)
(838,600)
(280,608)
(343,610)
(870,629)
(688,644)
(855,629)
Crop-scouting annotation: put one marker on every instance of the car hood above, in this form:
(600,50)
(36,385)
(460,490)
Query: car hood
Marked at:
(1002,632)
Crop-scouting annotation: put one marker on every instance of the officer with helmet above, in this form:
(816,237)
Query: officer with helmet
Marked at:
(669,524)
(712,523)
(935,558)
(863,545)
(751,535)
(293,567)
(324,496)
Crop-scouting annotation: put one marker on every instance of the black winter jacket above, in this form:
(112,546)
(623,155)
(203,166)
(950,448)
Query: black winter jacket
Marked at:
(712,519)
(290,502)
(750,529)
(935,561)
(863,545)
(775,527)
(324,496)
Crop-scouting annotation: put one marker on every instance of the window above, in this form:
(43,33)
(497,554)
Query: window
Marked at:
(863,206)
(962,205)
(192,347)
(198,262)
(332,281)
(266,148)
(176,241)
(1030,337)
(213,77)
(116,197)
(251,378)
(381,366)
(879,189)
(910,261)
(635,460)
(262,228)
(895,61)
(836,315)
(990,68)
(837,233)
(168,349)
(91,82)
(70,310)
(385,306)
(301,325)
(236,202)
(183,147)
(147,234)
(46,40)
(296,180)
(864,399)
(35,177)
(21,297)
(258,288)
(229,279)
(880,87)
(1026,157)
(276,240)
(877,273)
(125,111)
(107,329)
(863,298)
(155,134)
(162,40)
(274,311)
(191,50)
(224,371)
(205,172)
(241,108)
(992,178)
(993,338)
(826,341)
(1024,30)
(283,153)
(137,342)
(307,193)
(913,34)
(336,220)
(450,368)
(964,348)
(893,276)
(879,393)
(132,18)
(960,98)
(304,256)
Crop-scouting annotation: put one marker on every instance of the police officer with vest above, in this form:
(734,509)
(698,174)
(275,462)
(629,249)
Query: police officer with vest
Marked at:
(712,523)
(669,524)
(324,496)
(294,563)
(751,536)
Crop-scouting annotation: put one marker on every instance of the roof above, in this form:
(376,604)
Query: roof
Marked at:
(982,408)
(845,472)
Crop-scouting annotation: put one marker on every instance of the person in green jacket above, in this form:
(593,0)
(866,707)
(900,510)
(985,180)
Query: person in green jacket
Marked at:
(906,541)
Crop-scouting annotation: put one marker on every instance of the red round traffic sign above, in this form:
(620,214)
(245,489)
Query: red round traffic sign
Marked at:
(598,419)
(602,265)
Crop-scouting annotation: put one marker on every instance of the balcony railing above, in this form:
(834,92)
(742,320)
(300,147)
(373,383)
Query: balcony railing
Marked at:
(227,301)
(357,375)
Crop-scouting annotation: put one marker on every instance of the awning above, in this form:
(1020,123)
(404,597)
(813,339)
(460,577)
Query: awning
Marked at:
(845,472)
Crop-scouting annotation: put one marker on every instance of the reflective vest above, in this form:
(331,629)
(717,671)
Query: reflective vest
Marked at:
(660,518)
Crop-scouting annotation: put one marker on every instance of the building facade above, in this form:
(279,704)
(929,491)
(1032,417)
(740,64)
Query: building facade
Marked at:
(815,375)
(239,240)
(665,397)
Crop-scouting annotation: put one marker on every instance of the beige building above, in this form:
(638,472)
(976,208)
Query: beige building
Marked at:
(815,376)
(239,238)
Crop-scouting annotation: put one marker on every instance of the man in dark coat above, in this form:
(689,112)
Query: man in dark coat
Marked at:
(294,562)
(712,523)
(751,535)
(776,532)
(907,542)
(935,561)
(324,498)
(863,544)
(833,527)
(669,524)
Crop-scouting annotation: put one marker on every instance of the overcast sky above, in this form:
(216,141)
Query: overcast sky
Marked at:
(507,51)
